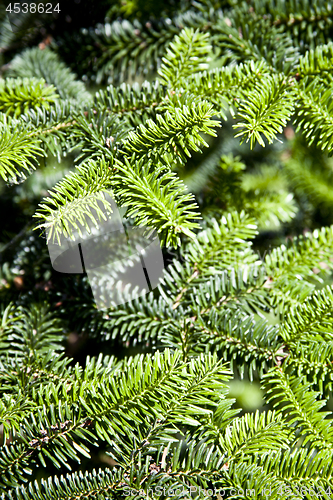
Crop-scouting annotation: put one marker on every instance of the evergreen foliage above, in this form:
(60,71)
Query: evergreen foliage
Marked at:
(211,122)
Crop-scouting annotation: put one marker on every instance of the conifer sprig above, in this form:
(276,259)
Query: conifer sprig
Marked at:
(117,402)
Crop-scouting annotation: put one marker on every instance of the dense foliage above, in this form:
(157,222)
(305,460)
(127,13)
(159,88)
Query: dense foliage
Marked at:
(211,122)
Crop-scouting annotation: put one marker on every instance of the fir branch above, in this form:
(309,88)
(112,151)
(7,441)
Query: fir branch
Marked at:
(313,318)
(314,114)
(135,103)
(72,198)
(18,150)
(20,94)
(292,397)
(37,63)
(317,63)
(186,55)
(266,111)
(173,134)
(314,360)
(156,197)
